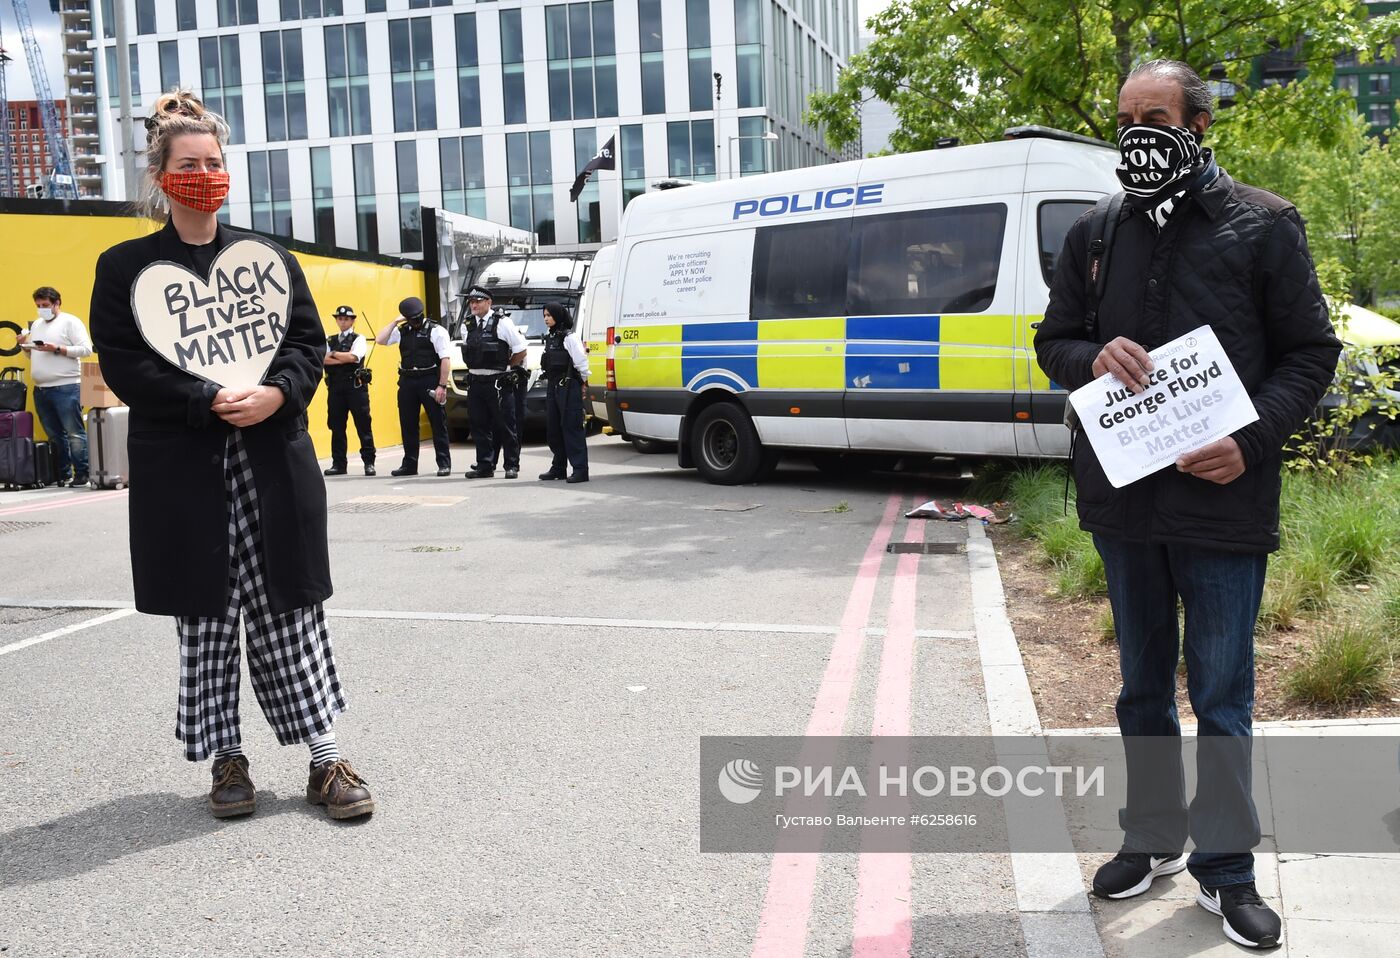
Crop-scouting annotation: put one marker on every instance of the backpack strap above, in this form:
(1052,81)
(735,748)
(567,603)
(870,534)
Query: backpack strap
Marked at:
(1102,227)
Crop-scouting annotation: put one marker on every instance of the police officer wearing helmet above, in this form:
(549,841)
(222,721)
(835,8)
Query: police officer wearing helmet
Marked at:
(424,367)
(564,368)
(347,393)
(494,350)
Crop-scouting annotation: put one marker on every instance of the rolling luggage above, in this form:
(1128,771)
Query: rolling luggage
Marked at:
(16,425)
(14,391)
(108,466)
(17,462)
(44,465)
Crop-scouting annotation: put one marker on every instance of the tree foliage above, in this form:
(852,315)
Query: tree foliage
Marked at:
(971,68)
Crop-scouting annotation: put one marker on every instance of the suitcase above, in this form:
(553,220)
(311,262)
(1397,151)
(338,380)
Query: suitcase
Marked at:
(16,425)
(108,466)
(44,464)
(14,391)
(17,462)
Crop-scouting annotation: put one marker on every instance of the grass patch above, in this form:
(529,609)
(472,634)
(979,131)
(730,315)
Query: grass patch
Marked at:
(1038,495)
(1350,664)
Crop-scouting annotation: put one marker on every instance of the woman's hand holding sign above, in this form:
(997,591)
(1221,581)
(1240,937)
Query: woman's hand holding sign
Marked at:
(1126,360)
(242,407)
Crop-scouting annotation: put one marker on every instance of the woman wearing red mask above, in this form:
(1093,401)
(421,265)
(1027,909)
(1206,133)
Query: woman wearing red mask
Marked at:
(227,505)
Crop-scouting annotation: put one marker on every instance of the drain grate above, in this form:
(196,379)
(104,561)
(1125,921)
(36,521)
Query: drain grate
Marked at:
(363,507)
(927,548)
(19,526)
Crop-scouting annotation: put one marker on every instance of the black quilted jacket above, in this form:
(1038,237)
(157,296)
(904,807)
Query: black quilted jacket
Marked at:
(1235,257)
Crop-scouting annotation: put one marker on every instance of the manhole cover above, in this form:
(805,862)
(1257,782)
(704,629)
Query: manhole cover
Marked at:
(927,548)
(19,526)
(363,507)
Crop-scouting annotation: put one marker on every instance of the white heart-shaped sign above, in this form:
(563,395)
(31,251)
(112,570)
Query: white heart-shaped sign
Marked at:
(226,329)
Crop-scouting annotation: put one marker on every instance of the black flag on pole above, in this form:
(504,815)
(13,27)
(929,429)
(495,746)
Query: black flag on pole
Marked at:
(602,160)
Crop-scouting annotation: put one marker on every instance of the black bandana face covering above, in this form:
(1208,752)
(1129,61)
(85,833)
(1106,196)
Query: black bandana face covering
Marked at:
(1154,165)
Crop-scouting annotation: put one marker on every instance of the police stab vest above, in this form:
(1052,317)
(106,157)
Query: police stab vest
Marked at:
(483,348)
(556,363)
(340,374)
(416,348)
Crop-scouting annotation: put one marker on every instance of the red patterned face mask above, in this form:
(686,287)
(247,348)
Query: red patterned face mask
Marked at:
(202,190)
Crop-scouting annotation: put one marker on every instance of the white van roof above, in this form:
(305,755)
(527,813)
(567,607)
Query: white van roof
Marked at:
(1030,164)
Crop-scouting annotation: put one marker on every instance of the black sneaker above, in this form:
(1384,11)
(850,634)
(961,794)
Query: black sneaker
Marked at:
(1246,919)
(1130,873)
(334,471)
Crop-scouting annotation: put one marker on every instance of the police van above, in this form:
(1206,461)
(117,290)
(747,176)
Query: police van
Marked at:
(885,305)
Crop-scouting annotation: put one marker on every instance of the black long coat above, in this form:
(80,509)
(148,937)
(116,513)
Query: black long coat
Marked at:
(1235,258)
(178,505)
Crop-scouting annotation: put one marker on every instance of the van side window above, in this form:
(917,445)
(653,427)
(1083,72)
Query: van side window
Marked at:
(926,261)
(1054,219)
(799,270)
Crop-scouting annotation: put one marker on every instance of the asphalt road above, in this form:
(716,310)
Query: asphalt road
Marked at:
(529,668)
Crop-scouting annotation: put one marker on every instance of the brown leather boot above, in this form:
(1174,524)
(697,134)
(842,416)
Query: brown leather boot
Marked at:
(233,793)
(337,787)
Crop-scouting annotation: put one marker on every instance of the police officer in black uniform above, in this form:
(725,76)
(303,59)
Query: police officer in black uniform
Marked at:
(347,393)
(564,368)
(494,350)
(424,368)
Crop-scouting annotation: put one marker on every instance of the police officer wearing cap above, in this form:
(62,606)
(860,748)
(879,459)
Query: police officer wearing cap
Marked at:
(347,393)
(424,367)
(494,350)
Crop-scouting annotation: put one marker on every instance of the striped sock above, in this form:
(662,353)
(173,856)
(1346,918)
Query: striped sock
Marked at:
(228,750)
(323,748)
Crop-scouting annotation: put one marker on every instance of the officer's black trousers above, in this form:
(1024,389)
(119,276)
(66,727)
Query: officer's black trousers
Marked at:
(564,425)
(516,393)
(343,400)
(416,391)
(492,416)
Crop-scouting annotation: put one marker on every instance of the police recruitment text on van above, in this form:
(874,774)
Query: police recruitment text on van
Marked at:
(840,198)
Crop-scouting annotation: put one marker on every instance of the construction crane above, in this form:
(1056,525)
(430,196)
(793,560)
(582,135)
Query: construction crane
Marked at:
(62,181)
(7,150)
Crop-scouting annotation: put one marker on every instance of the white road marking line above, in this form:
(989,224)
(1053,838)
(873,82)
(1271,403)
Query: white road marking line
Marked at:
(490,618)
(66,630)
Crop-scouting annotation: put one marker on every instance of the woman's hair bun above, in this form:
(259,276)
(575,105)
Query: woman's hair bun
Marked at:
(175,103)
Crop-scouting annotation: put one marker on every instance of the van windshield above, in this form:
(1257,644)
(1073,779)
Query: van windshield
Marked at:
(530,321)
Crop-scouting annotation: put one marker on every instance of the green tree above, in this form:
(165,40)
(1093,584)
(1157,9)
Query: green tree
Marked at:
(971,68)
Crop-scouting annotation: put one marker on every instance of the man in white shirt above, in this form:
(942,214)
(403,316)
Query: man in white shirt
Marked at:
(347,394)
(56,343)
(424,365)
(493,348)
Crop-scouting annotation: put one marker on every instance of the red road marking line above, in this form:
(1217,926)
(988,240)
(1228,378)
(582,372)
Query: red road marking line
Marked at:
(75,500)
(884,924)
(782,925)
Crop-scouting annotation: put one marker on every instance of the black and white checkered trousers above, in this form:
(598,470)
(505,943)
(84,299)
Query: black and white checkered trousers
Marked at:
(289,654)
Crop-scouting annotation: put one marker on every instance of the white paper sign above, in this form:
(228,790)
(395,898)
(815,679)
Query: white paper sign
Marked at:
(1194,397)
(226,330)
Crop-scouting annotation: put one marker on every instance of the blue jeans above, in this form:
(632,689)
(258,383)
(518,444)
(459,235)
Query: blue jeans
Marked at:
(1220,593)
(62,416)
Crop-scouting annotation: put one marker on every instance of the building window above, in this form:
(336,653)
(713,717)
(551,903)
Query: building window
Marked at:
(113,92)
(582,62)
(1379,115)
(347,79)
(221,81)
(690,145)
(424,4)
(697,38)
(1378,84)
(270,188)
(411,62)
(374,6)
(410,213)
(633,163)
(311,9)
(109,20)
(588,208)
(468,72)
(512,66)
(653,59)
(463,175)
(284,86)
(237,13)
(1350,83)
(145,17)
(530,175)
(366,215)
(322,195)
(748,52)
(169,64)
(753,153)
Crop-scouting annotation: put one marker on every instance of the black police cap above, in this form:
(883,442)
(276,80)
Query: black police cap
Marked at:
(411,307)
(479,292)
(344,311)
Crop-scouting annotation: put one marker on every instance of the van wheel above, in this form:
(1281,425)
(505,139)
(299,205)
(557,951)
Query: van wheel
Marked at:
(726,448)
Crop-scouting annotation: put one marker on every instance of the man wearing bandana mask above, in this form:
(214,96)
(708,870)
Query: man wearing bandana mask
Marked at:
(1192,247)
